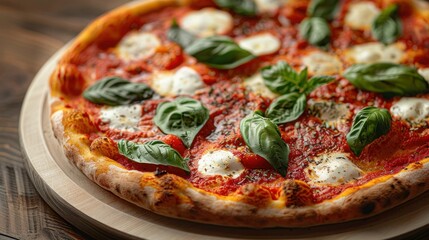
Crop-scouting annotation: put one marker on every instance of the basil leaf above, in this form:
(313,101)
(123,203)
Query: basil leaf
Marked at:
(180,36)
(286,108)
(369,124)
(152,152)
(183,117)
(387,26)
(387,78)
(242,7)
(115,91)
(281,78)
(315,82)
(323,8)
(219,52)
(263,137)
(316,31)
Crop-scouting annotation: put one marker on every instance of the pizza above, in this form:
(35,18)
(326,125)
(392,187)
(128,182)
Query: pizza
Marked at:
(253,113)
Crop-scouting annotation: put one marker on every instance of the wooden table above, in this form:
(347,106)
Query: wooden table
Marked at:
(30,32)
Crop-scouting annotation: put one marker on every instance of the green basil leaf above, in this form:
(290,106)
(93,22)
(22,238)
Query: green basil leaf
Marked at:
(316,31)
(323,8)
(152,152)
(242,7)
(387,78)
(263,137)
(115,91)
(183,117)
(387,26)
(315,82)
(286,108)
(219,52)
(281,78)
(369,124)
(180,36)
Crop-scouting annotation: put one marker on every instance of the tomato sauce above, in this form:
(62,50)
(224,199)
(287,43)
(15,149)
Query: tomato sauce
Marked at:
(228,102)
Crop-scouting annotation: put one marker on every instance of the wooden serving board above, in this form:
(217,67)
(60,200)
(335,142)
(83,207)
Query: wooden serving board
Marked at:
(105,216)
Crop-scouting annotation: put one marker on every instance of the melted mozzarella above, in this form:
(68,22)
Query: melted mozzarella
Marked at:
(124,118)
(411,109)
(207,22)
(260,44)
(332,114)
(360,15)
(322,63)
(269,6)
(425,73)
(184,81)
(332,168)
(256,85)
(138,45)
(376,52)
(220,162)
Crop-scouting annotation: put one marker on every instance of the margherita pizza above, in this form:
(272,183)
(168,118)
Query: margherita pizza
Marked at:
(255,113)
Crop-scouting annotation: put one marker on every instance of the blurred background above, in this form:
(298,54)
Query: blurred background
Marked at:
(30,32)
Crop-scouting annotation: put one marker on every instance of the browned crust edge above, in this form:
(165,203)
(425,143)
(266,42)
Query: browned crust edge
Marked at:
(173,196)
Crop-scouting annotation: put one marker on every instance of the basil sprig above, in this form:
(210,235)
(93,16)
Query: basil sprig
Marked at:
(152,152)
(369,124)
(323,8)
(219,52)
(282,79)
(387,78)
(387,26)
(263,137)
(183,117)
(316,31)
(114,91)
(242,7)
(286,108)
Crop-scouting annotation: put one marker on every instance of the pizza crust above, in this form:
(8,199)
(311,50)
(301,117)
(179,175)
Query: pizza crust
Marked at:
(173,196)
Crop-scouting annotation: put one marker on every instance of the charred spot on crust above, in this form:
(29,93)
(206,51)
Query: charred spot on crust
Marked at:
(159,172)
(367,207)
(118,189)
(404,192)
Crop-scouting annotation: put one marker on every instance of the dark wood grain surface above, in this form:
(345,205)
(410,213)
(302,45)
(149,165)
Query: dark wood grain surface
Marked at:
(30,32)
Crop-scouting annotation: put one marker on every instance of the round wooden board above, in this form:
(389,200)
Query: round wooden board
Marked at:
(105,216)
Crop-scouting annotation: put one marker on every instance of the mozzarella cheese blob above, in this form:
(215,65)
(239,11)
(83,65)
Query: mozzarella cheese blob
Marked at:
(260,44)
(124,118)
(425,73)
(256,85)
(322,63)
(138,45)
(411,109)
(360,15)
(376,52)
(207,22)
(184,81)
(269,6)
(220,162)
(332,168)
(332,114)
